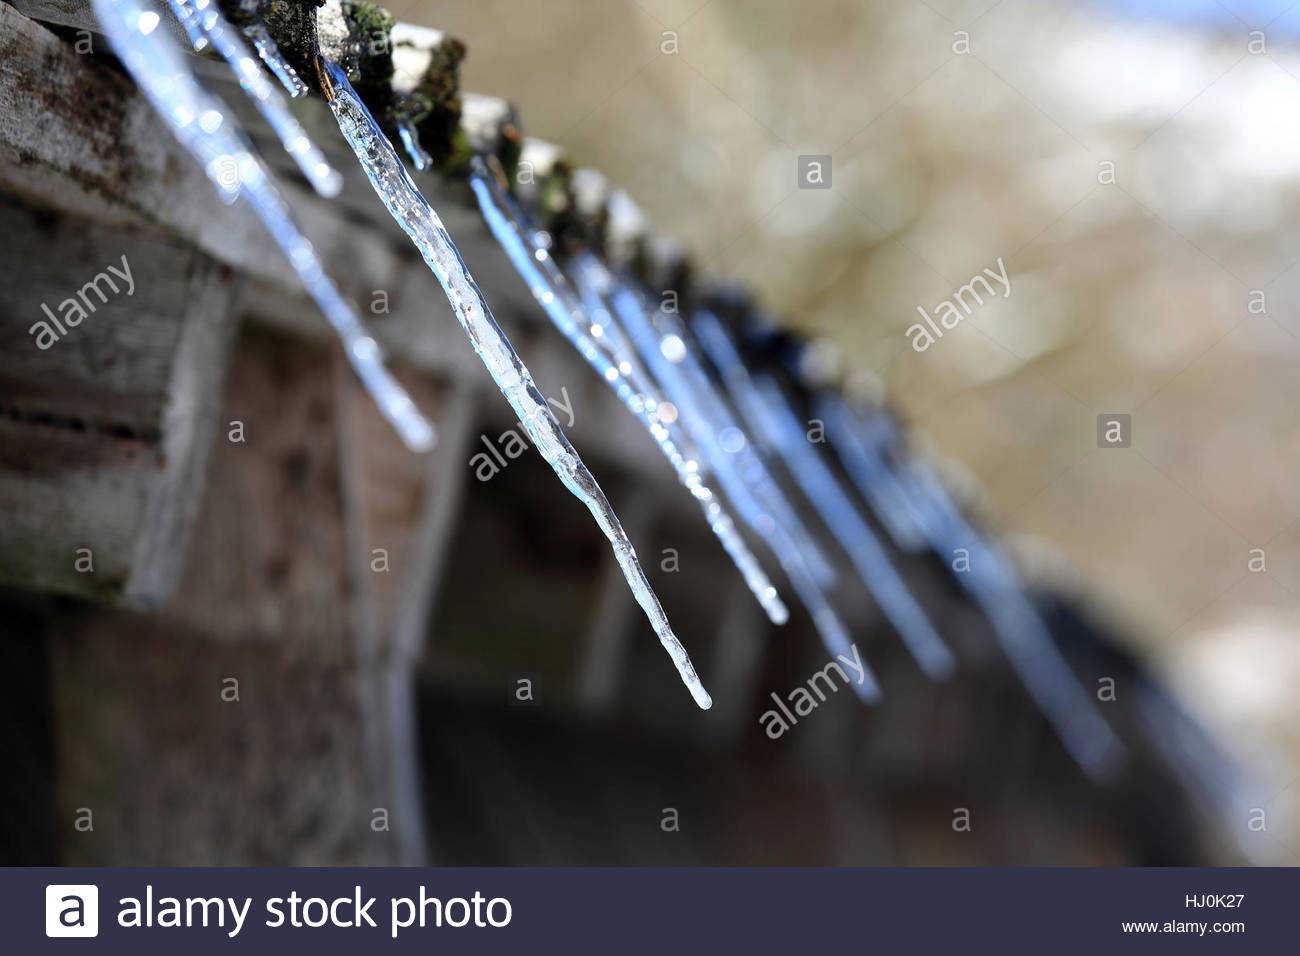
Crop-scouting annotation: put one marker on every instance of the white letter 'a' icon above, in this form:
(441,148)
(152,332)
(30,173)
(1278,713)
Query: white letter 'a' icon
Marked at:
(71,910)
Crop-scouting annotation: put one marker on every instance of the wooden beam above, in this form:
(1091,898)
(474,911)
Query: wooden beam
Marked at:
(106,427)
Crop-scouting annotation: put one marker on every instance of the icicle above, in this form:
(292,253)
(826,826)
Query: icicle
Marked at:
(994,585)
(890,502)
(710,418)
(199,120)
(767,413)
(605,330)
(410,137)
(987,577)
(742,475)
(413,213)
(870,476)
(256,32)
(189,20)
(538,268)
(204,23)
(783,431)
(632,313)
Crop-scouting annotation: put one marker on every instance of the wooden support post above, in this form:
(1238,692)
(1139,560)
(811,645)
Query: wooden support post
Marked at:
(398,510)
(444,485)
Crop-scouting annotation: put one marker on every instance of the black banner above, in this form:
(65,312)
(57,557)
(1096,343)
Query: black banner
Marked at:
(647,910)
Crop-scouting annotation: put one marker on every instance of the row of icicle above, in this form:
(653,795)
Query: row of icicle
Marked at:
(720,424)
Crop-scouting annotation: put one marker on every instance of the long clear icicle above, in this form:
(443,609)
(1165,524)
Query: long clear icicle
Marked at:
(537,267)
(205,24)
(201,123)
(417,218)
(745,482)
(783,430)
(993,584)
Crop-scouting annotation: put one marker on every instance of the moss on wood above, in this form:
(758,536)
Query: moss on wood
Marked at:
(400,71)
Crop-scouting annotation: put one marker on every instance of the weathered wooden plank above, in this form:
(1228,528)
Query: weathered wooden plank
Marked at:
(109,366)
(108,426)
